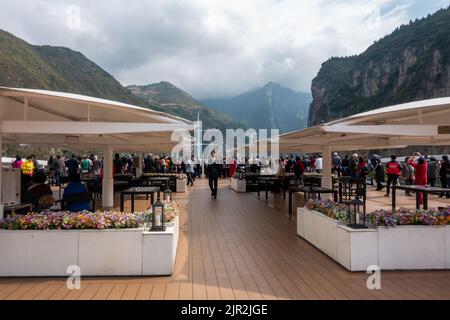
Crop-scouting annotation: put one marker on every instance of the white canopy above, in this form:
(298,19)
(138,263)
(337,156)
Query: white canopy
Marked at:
(425,122)
(69,120)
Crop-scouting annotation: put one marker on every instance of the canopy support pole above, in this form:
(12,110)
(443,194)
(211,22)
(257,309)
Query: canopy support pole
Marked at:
(327,181)
(140,165)
(1,176)
(108,180)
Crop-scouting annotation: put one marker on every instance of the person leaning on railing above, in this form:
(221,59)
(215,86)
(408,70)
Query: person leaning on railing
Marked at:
(444,174)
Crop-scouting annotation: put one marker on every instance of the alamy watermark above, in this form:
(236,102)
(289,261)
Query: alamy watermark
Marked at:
(374,280)
(74,280)
(239,144)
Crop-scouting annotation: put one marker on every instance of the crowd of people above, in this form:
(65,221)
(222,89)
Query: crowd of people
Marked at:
(414,170)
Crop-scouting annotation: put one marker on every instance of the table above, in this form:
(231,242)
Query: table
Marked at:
(14,207)
(266,180)
(309,189)
(95,180)
(138,190)
(418,190)
(163,181)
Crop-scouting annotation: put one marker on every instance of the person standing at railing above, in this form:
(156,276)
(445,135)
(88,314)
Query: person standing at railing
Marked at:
(420,168)
(444,174)
(28,166)
(59,169)
(393,171)
(17,163)
(379,174)
(432,171)
(408,174)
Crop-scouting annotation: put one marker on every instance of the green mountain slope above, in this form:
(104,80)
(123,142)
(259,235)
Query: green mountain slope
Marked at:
(55,68)
(174,100)
(270,107)
(412,63)
(61,69)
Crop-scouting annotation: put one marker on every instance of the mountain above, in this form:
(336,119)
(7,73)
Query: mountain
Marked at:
(24,65)
(174,100)
(270,107)
(410,64)
(55,68)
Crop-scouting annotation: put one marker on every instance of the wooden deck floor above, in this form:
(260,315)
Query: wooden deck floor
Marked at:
(240,247)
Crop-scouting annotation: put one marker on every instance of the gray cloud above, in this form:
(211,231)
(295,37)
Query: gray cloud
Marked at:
(210,48)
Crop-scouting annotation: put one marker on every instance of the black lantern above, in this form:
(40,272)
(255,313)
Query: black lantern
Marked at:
(167,195)
(354,213)
(158,216)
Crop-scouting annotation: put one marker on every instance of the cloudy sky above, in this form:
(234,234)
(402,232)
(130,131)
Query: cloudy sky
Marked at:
(211,48)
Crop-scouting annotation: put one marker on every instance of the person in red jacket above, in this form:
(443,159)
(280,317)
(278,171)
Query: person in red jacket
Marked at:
(420,169)
(393,171)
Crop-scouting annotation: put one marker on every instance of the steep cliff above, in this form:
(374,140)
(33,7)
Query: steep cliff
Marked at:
(412,63)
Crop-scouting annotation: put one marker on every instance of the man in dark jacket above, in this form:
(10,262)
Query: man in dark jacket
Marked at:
(213,173)
(444,174)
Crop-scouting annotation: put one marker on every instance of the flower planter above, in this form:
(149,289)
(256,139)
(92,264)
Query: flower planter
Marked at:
(114,252)
(356,248)
(238,185)
(391,248)
(319,230)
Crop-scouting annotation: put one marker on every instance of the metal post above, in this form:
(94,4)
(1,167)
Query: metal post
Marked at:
(108,180)
(327,181)
(1,174)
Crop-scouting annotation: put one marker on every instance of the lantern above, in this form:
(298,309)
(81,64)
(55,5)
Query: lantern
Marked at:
(353,214)
(167,195)
(158,216)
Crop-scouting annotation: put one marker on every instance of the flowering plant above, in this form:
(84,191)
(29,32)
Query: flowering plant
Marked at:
(63,220)
(382,217)
(405,216)
(329,208)
(171,211)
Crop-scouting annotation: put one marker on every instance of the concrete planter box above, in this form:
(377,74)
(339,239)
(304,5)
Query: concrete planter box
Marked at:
(413,247)
(238,185)
(119,252)
(393,248)
(353,249)
(357,249)
(319,230)
(181,185)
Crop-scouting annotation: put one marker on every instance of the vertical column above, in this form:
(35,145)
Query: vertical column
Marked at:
(108,180)
(1,176)
(327,181)
(139,169)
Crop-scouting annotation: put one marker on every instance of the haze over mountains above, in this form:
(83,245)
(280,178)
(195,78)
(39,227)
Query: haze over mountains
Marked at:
(270,107)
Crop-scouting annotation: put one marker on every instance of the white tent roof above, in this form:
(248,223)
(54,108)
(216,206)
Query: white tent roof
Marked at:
(425,122)
(58,119)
